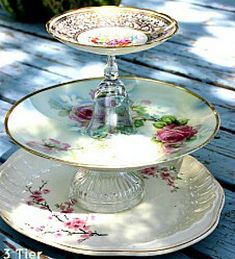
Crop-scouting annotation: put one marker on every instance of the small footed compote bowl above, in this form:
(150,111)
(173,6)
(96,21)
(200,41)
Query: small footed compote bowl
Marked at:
(111,31)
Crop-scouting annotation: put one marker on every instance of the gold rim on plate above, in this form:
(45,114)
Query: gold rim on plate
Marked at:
(157,251)
(173,24)
(105,167)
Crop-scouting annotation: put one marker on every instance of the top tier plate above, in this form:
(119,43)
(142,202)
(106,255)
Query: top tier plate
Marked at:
(112,30)
(171,121)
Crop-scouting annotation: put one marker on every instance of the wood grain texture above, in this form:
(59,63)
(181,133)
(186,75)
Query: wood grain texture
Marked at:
(200,57)
(224,5)
(200,50)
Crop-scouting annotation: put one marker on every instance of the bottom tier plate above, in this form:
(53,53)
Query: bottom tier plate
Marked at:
(175,213)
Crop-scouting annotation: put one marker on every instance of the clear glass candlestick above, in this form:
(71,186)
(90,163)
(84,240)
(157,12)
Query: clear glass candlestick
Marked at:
(111,105)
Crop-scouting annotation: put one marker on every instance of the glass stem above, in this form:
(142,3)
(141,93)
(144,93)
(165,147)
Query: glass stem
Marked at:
(111,110)
(111,69)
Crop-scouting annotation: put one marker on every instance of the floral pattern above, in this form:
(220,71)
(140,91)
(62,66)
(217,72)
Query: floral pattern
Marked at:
(111,42)
(69,225)
(76,109)
(82,115)
(168,174)
(49,146)
(155,26)
(173,135)
(168,130)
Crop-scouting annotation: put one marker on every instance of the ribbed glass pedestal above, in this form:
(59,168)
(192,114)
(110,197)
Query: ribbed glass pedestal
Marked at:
(107,192)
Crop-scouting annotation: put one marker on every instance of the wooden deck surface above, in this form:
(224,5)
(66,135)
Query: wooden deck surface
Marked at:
(201,57)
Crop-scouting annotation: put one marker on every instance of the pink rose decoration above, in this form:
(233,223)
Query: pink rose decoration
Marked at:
(173,134)
(81,114)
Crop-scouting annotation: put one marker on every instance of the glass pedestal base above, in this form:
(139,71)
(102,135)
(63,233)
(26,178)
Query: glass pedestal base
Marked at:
(107,192)
(110,192)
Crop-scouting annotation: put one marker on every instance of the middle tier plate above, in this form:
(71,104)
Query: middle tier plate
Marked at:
(171,121)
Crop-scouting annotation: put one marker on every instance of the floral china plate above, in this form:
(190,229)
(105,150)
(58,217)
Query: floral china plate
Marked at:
(112,30)
(178,209)
(170,122)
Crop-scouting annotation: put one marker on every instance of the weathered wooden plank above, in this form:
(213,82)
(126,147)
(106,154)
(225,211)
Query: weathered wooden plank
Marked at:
(6,147)
(224,144)
(166,57)
(190,66)
(220,244)
(202,29)
(197,60)
(4,107)
(224,5)
(65,61)
(221,5)
(221,166)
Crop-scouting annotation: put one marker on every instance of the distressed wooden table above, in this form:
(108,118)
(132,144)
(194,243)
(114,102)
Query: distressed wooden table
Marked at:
(200,57)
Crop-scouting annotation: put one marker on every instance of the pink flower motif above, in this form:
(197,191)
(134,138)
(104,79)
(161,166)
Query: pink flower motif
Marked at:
(45,191)
(49,145)
(170,180)
(43,208)
(118,42)
(75,224)
(54,141)
(165,175)
(37,193)
(150,171)
(68,210)
(58,234)
(34,196)
(63,147)
(40,146)
(172,135)
(39,199)
(85,236)
(38,229)
(86,228)
(175,134)
(82,114)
